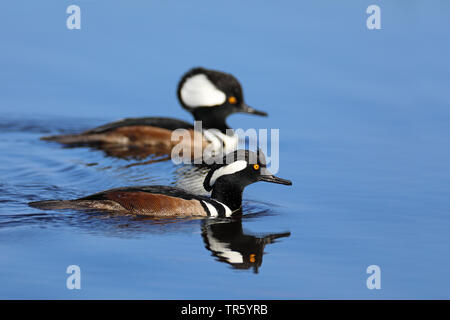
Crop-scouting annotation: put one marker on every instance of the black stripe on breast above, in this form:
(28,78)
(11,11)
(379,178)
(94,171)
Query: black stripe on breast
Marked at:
(220,209)
(205,207)
(221,213)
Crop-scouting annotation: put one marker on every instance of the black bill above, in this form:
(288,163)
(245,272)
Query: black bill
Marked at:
(246,109)
(273,179)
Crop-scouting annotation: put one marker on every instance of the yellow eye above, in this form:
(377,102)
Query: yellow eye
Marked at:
(232,100)
(252,257)
(256,166)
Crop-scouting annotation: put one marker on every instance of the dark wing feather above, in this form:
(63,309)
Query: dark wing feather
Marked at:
(165,123)
(164,190)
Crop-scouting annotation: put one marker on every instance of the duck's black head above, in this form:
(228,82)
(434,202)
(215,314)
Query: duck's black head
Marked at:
(211,96)
(238,169)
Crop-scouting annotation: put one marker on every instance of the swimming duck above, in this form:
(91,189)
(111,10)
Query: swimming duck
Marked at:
(225,180)
(209,95)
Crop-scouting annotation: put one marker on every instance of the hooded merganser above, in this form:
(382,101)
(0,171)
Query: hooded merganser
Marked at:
(226,181)
(209,95)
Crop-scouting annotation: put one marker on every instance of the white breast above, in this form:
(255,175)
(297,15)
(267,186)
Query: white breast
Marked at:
(219,140)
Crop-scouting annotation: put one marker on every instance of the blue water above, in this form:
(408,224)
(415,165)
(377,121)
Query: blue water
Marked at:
(364,134)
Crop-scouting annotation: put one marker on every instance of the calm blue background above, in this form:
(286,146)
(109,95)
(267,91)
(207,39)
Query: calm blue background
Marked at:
(364,136)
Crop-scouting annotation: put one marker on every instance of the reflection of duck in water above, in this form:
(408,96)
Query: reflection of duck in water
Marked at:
(210,96)
(228,242)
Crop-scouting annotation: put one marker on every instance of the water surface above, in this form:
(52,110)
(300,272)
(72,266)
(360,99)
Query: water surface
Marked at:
(363,118)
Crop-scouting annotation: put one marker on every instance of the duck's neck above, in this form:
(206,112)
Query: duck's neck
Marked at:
(229,195)
(211,120)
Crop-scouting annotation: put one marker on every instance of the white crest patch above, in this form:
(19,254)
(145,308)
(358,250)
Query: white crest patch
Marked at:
(228,169)
(199,91)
